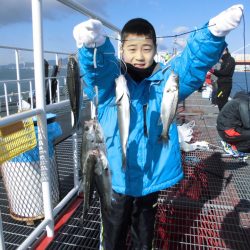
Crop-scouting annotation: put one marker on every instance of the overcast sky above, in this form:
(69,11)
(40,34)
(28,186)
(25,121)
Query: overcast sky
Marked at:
(168,18)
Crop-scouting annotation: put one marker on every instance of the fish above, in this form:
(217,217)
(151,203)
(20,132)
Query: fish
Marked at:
(92,136)
(74,86)
(95,166)
(102,177)
(123,109)
(169,105)
(88,180)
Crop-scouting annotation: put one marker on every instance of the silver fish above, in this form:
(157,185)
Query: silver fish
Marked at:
(88,168)
(123,107)
(95,168)
(103,181)
(169,104)
(74,88)
(92,137)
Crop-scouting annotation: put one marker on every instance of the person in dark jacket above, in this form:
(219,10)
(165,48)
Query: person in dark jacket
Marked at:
(233,124)
(225,78)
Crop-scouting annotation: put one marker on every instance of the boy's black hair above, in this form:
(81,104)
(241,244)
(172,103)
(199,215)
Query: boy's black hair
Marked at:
(138,26)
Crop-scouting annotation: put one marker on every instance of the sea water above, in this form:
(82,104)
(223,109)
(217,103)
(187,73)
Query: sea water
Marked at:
(241,80)
(26,75)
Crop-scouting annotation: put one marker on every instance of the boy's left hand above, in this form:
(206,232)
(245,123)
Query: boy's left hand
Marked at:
(226,21)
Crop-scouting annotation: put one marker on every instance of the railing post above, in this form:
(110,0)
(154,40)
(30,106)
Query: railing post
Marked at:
(2,245)
(31,95)
(6,99)
(18,80)
(76,160)
(40,104)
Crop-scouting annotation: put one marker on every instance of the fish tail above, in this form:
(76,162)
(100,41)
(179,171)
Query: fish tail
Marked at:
(124,162)
(81,219)
(164,138)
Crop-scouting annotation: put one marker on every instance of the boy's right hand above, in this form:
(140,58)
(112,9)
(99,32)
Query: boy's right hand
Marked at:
(89,34)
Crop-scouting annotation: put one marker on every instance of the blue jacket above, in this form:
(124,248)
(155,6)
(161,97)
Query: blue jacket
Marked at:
(151,165)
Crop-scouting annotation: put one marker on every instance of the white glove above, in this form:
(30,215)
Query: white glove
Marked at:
(226,21)
(89,34)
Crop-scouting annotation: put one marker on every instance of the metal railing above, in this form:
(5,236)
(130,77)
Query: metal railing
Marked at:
(13,92)
(40,112)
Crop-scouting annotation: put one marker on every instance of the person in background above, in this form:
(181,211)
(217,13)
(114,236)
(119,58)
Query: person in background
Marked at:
(214,86)
(233,125)
(151,165)
(225,78)
(167,57)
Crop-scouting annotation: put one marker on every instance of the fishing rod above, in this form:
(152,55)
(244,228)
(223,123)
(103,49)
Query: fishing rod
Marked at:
(244,49)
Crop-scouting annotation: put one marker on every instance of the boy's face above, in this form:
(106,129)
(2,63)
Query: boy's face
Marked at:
(138,50)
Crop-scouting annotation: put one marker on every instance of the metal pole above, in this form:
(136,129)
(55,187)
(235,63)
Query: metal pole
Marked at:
(41,119)
(2,245)
(88,13)
(18,80)
(6,99)
(31,96)
(76,160)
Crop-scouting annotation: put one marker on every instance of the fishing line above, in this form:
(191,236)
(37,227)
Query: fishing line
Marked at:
(244,49)
(184,33)
(244,56)
(167,36)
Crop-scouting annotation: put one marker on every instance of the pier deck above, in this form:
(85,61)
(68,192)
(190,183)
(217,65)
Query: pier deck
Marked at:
(208,209)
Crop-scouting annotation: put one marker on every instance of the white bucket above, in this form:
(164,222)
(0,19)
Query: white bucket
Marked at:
(207,93)
(22,181)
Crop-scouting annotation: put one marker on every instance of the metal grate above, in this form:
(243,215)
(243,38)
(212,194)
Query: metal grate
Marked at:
(208,209)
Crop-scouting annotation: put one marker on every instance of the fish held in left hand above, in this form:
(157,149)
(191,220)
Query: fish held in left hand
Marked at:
(95,167)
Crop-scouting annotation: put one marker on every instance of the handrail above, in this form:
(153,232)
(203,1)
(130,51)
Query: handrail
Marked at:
(19,116)
(26,49)
(29,79)
(89,13)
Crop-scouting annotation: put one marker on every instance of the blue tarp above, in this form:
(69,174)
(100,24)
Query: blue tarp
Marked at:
(54,130)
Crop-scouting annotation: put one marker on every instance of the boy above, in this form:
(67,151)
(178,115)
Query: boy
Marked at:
(151,165)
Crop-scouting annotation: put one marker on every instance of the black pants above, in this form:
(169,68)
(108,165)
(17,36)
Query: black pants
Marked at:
(136,214)
(214,93)
(223,93)
(242,141)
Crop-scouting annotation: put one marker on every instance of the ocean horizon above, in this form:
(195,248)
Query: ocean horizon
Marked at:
(241,80)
